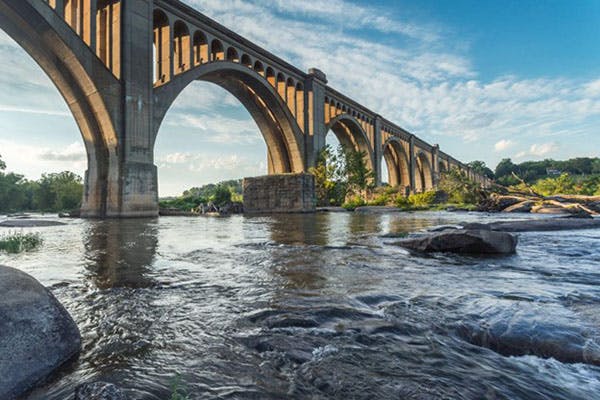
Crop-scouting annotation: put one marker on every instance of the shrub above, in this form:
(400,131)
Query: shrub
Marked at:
(425,199)
(353,203)
(459,188)
(20,242)
(381,200)
(402,202)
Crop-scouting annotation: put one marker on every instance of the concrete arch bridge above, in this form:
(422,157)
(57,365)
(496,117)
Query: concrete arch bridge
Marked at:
(120,65)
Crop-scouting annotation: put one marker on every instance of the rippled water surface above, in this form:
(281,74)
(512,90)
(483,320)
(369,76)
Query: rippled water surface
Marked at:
(320,307)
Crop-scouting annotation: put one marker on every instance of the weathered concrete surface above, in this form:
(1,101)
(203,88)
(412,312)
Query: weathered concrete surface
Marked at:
(288,193)
(29,223)
(463,241)
(99,391)
(37,335)
(541,225)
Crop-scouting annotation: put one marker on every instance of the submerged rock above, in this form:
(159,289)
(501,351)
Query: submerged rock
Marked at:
(538,225)
(29,223)
(99,391)
(526,330)
(37,335)
(463,241)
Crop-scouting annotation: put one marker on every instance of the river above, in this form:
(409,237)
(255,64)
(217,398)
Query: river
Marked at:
(315,307)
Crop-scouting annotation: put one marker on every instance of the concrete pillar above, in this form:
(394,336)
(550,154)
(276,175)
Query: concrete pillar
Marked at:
(378,149)
(60,8)
(435,167)
(315,128)
(413,165)
(136,174)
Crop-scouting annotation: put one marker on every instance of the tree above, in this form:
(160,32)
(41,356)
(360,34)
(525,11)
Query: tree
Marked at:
(58,192)
(2,164)
(221,196)
(480,168)
(360,177)
(504,172)
(459,188)
(596,166)
(330,177)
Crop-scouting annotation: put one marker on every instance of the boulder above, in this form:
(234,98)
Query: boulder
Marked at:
(523,207)
(463,241)
(99,391)
(37,335)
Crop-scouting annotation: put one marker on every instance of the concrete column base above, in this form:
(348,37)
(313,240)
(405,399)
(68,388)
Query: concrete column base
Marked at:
(287,193)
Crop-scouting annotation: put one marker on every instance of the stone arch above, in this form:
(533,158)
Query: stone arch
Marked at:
(233,55)
(290,95)
(181,47)
(70,64)
(442,166)
(270,75)
(300,105)
(398,163)
(278,126)
(424,181)
(200,48)
(162,47)
(351,135)
(217,51)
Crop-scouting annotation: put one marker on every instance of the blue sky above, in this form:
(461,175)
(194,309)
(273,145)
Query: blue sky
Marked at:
(484,79)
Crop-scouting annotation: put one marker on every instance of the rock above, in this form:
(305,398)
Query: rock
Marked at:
(99,391)
(37,335)
(463,241)
(538,225)
(29,223)
(497,203)
(523,207)
(540,330)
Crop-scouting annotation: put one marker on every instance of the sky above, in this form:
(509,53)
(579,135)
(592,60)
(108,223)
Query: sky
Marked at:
(485,79)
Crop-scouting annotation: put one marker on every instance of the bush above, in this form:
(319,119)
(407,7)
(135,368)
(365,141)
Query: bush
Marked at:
(222,196)
(381,200)
(402,202)
(20,242)
(420,200)
(459,188)
(353,203)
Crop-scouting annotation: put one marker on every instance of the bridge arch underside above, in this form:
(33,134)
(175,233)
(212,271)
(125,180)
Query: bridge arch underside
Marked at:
(398,164)
(424,173)
(278,127)
(56,51)
(351,135)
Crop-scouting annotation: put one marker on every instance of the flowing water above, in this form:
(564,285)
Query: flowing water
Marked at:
(320,307)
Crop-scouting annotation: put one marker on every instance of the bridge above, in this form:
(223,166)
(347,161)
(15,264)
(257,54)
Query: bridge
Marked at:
(121,64)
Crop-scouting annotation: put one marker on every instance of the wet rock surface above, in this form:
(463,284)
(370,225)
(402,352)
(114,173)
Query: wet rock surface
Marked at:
(541,225)
(37,335)
(519,330)
(99,391)
(463,242)
(29,223)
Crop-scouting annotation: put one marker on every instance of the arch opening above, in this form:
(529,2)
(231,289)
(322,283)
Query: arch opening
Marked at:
(424,181)
(397,163)
(279,130)
(200,48)
(108,34)
(351,135)
(216,50)
(162,48)
(181,48)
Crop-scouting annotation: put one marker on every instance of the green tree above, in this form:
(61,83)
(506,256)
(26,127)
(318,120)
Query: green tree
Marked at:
(360,177)
(459,188)
(563,184)
(58,192)
(221,196)
(330,177)
(480,168)
(2,164)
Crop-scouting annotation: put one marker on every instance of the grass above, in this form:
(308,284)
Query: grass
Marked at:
(16,242)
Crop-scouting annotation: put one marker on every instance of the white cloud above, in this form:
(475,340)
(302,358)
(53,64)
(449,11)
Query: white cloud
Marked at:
(503,145)
(543,149)
(73,152)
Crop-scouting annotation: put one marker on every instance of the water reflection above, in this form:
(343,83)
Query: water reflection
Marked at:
(119,253)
